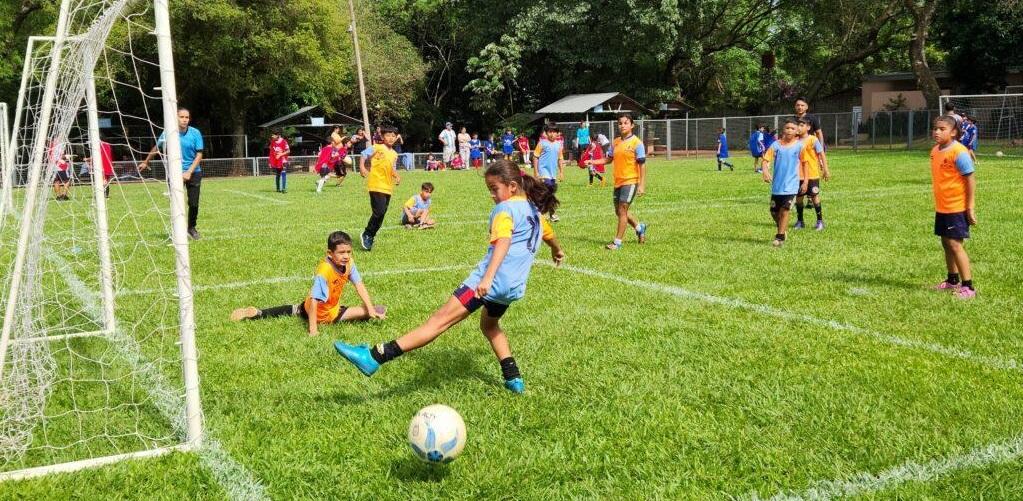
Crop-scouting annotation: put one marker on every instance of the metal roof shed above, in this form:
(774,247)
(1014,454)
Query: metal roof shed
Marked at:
(605,102)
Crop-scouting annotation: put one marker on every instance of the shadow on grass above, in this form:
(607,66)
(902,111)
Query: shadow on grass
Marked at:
(859,279)
(435,367)
(410,469)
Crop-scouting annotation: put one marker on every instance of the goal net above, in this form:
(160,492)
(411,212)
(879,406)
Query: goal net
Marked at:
(998,117)
(97,349)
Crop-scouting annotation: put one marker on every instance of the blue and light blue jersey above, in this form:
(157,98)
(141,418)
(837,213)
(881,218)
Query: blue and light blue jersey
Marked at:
(785,180)
(518,219)
(756,143)
(321,288)
(191,145)
(548,153)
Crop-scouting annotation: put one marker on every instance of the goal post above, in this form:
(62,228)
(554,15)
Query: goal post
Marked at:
(88,377)
(998,117)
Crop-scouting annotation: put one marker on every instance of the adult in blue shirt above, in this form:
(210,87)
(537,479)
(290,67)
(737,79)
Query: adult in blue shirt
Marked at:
(582,138)
(191,171)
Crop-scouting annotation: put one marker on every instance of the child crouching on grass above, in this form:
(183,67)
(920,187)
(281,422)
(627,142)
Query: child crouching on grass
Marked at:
(954,194)
(323,304)
(416,211)
(516,230)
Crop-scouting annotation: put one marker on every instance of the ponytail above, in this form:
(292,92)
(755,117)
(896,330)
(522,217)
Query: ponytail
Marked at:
(535,190)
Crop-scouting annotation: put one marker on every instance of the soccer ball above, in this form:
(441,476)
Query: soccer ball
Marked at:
(437,434)
(999,153)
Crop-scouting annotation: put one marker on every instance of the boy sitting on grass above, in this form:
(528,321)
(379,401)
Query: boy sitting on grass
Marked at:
(416,211)
(323,304)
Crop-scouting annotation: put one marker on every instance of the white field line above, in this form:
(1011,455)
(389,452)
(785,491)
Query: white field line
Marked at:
(278,280)
(640,209)
(861,483)
(261,197)
(237,481)
(948,351)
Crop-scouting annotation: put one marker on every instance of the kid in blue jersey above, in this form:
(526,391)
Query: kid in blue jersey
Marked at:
(784,158)
(722,153)
(508,143)
(516,230)
(757,146)
(476,151)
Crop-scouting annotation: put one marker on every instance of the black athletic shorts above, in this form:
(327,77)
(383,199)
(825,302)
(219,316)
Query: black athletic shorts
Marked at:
(813,187)
(625,194)
(952,225)
(62,176)
(468,298)
(779,202)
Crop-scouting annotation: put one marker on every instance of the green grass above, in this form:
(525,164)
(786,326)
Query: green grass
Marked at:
(632,392)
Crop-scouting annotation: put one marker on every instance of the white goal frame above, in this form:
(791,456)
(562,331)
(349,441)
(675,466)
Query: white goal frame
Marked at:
(192,422)
(997,128)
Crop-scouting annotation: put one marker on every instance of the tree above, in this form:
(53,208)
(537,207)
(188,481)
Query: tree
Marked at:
(922,13)
(983,38)
(497,67)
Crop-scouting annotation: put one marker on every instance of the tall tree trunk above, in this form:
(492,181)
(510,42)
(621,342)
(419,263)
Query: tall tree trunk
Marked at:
(238,129)
(923,14)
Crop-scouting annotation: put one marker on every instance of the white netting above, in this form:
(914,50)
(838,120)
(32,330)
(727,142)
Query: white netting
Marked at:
(77,382)
(999,117)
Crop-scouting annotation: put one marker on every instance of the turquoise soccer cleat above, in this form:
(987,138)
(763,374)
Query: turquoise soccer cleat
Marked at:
(359,356)
(516,385)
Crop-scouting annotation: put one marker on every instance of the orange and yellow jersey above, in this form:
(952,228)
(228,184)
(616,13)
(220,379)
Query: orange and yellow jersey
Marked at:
(382,162)
(627,155)
(811,148)
(329,281)
(949,167)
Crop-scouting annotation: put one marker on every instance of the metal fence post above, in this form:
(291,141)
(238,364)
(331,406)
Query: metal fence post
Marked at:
(255,167)
(909,131)
(697,134)
(668,133)
(687,137)
(891,126)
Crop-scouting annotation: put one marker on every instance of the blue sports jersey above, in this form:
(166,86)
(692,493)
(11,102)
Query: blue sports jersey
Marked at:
(582,136)
(191,145)
(488,146)
(549,152)
(474,149)
(768,140)
(756,143)
(785,174)
(723,152)
(518,219)
(508,144)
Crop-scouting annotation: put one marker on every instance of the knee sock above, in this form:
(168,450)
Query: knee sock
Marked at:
(509,369)
(599,176)
(968,284)
(953,279)
(817,209)
(799,211)
(591,177)
(284,180)
(277,181)
(286,310)
(386,352)
(319,184)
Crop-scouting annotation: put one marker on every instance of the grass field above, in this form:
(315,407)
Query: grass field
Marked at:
(703,364)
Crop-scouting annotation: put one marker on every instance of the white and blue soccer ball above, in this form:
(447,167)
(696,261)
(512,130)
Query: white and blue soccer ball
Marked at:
(437,434)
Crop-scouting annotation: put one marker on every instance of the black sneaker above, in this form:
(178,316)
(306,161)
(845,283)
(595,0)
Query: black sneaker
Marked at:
(194,234)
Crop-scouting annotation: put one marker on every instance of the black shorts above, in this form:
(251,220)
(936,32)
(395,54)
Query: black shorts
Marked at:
(340,170)
(779,202)
(300,309)
(62,176)
(952,225)
(551,183)
(324,171)
(405,220)
(468,298)
(813,188)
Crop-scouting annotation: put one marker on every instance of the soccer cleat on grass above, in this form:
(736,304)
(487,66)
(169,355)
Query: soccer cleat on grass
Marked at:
(244,313)
(367,243)
(359,356)
(516,385)
(966,293)
(777,242)
(555,218)
(819,226)
(799,225)
(641,232)
(946,286)
(194,234)
(613,246)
